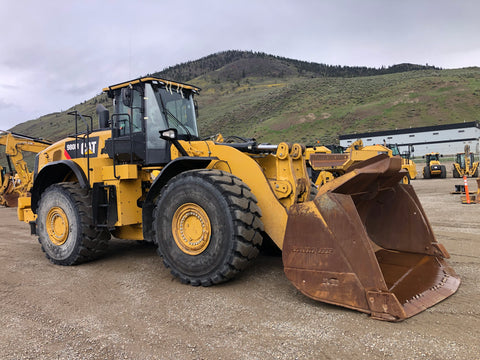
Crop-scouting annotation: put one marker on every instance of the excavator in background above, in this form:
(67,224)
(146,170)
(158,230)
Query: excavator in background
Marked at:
(18,180)
(432,167)
(363,241)
(7,184)
(465,164)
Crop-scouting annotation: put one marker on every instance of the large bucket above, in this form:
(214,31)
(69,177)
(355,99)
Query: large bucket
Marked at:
(365,243)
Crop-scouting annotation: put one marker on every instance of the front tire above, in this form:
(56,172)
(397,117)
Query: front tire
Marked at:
(455,174)
(443,173)
(426,172)
(207,226)
(65,225)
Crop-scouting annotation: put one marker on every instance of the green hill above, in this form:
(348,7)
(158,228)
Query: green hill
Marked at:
(307,110)
(278,99)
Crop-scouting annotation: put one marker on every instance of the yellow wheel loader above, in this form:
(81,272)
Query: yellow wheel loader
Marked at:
(407,163)
(18,180)
(432,167)
(465,164)
(318,176)
(325,166)
(364,242)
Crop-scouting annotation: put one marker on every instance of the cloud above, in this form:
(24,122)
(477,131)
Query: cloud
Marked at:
(8,87)
(4,104)
(63,52)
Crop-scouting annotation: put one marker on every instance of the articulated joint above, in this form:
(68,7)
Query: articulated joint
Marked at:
(292,183)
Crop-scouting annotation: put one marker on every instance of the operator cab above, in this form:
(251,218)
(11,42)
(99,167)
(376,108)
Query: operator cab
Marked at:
(144,107)
(431,157)
(460,159)
(394,148)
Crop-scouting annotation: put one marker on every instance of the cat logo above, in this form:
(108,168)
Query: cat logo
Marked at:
(78,148)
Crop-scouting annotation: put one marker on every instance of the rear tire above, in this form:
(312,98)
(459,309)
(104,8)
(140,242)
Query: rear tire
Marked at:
(65,225)
(207,226)
(406,179)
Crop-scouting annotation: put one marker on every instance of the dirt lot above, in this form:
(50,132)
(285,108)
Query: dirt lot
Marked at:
(127,306)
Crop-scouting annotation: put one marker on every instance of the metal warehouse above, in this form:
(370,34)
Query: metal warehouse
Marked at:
(445,139)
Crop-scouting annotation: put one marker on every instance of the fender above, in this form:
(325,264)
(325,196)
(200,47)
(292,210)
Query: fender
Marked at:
(172,169)
(53,173)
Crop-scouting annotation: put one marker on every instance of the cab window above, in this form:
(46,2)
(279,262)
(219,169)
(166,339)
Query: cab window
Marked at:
(129,118)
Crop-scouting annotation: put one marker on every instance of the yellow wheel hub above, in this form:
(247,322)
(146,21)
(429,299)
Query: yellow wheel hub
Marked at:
(191,229)
(57,226)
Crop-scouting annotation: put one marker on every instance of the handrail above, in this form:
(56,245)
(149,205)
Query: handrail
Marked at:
(87,138)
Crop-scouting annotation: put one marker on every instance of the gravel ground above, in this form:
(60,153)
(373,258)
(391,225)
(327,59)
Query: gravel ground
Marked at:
(126,305)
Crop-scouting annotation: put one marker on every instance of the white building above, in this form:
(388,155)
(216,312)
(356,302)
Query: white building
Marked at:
(445,139)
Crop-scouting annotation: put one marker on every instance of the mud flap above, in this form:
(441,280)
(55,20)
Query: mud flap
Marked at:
(365,243)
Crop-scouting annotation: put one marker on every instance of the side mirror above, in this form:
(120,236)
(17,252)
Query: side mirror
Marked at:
(172,136)
(127,96)
(169,134)
(412,149)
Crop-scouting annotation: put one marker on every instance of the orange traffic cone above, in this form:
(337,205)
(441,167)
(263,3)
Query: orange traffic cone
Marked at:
(466,190)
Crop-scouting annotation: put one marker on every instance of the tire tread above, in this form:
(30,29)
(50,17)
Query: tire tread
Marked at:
(93,242)
(247,227)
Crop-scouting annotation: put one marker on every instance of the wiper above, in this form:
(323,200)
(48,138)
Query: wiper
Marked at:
(178,122)
(167,112)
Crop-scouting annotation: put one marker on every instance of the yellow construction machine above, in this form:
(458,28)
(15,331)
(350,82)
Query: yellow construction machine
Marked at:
(319,176)
(407,162)
(432,167)
(465,164)
(363,242)
(18,180)
(326,166)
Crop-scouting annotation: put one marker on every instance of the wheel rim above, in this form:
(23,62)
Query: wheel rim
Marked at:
(191,229)
(57,226)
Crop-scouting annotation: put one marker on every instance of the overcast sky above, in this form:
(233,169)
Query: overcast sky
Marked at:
(57,53)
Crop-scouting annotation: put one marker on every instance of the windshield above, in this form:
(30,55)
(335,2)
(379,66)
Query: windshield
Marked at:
(432,157)
(179,114)
(179,110)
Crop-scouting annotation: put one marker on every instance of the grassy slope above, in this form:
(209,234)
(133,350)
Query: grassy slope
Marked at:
(285,106)
(56,126)
(307,110)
